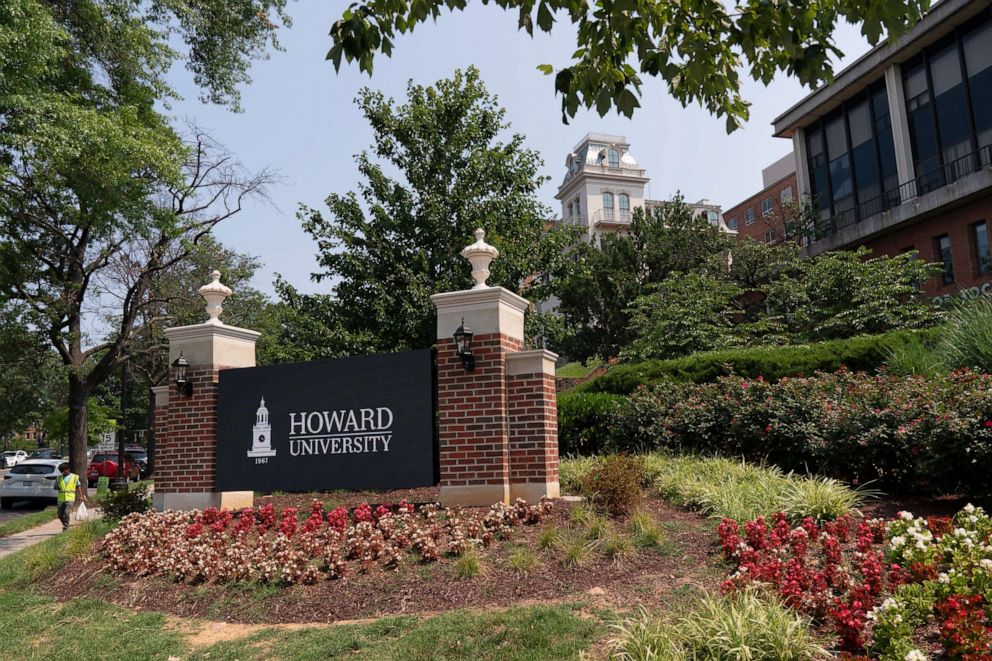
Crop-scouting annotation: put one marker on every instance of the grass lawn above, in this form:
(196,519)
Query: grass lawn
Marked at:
(28,521)
(576,370)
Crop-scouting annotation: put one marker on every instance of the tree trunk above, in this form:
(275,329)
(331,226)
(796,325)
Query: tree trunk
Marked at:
(78,428)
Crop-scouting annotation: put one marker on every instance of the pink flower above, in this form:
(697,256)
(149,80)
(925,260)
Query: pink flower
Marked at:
(988,423)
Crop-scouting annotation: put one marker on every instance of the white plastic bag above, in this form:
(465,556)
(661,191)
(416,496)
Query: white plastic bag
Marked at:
(83,514)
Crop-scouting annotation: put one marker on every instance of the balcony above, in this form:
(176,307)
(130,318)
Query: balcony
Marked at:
(611,218)
(614,170)
(954,181)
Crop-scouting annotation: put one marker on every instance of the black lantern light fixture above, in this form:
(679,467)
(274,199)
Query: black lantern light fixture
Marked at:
(463,346)
(183,385)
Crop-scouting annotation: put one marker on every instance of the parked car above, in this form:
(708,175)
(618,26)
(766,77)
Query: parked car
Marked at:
(11,458)
(31,480)
(139,456)
(104,464)
(45,453)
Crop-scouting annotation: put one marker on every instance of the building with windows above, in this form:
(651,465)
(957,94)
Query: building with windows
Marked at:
(763,216)
(896,153)
(603,185)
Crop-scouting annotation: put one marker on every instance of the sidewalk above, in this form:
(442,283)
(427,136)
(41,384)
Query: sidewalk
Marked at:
(26,538)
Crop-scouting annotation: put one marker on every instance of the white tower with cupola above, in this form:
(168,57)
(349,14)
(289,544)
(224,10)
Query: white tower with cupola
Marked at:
(603,185)
(261,441)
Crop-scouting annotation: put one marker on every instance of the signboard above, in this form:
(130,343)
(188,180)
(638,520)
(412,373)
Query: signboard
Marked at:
(102,486)
(365,422)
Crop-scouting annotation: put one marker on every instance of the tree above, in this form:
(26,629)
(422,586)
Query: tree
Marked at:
(389,248)
(93,178)
(29,387)
(697,47)
(605,279)
(683,314)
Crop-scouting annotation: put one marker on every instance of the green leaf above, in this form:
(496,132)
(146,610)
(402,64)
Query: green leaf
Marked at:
(546,69)
(545,19)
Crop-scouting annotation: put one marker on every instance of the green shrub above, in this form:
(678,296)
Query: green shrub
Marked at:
(613,484)
(571,472)
(903,434)
(916,356)
(967,340)
(866,353)
(740,626)
(584,421)
(118,504)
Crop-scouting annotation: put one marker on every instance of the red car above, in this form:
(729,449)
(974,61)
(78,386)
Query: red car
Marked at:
(105,465)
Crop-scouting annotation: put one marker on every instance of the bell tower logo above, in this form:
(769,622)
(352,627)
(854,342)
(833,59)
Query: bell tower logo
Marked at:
(261,441)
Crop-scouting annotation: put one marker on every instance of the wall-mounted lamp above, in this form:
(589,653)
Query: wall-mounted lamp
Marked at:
(463,346)
(183,385)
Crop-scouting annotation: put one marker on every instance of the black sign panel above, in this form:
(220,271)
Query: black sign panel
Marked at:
(365,422)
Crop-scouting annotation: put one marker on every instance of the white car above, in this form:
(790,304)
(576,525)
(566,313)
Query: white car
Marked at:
(12,458)
(32,480)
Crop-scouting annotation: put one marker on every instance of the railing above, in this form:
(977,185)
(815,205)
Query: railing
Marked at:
(622,217)
(925,183)
(614,169)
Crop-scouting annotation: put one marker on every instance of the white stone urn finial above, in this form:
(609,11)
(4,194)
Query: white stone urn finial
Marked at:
(480,254)
(214,293)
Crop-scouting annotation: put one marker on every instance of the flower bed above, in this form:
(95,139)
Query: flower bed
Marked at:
(901,433)
(880,587)
(265,546)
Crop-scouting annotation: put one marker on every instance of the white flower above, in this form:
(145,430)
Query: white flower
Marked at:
(905,516)
(943,578)
(986,564)
(898,541)
(916,655)
(969,508)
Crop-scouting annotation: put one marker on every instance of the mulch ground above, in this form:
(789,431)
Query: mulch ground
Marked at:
(645,577)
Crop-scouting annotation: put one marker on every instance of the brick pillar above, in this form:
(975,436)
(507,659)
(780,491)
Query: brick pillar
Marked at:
(479,440)
(186,426)
(533,414)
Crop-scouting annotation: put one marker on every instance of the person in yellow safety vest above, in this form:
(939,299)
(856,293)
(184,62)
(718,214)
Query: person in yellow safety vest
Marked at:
(69,489)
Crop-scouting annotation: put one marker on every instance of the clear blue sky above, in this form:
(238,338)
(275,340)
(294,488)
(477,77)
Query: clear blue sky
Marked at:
(300,119)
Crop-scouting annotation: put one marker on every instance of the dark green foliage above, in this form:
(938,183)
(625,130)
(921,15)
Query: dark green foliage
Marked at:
(437,170)
(613,484)
(698,49)
(867,353)
(584,421)
(118,504)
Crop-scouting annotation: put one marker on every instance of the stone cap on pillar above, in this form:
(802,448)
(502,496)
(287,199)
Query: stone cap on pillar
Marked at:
(161,395)
(214,343)
(489,310)
(537,361)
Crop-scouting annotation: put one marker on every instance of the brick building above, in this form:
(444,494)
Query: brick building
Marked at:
(896,153)
(762,216)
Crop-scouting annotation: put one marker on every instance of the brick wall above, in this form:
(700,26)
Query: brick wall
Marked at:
(762,224)
(184,461)
(533,417)
(921,236)
(473,429)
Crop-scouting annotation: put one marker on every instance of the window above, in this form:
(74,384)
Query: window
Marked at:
(977,48)
(608,206)
(614,158)
(732,223)
(786,195)
(749,216)
(983,256)
(771,236)
(942,249)
(624,202)
(713,217)
(32,469)
(766,206)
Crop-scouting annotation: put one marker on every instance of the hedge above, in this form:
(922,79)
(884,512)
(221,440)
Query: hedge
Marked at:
(584,420)
(899,434)
(864,353)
